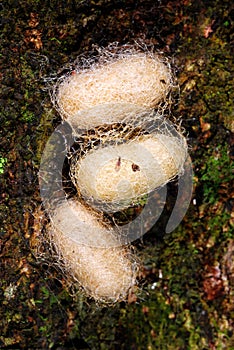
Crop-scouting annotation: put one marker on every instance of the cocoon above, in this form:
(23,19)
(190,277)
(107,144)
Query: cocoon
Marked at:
(91,97)
(91,252)
(119,174)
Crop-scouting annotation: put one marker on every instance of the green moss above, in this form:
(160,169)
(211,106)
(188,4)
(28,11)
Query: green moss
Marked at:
(216,172)
(3,162)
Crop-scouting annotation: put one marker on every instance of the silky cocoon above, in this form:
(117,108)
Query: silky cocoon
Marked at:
(90,97)
(119,174)
(105,271)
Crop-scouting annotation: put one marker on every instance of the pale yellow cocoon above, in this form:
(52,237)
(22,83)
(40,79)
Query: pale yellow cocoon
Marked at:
(104,273)
(119,174)
(140,80)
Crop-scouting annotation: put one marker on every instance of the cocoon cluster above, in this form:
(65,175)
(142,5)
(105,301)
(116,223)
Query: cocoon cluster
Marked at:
(122,87)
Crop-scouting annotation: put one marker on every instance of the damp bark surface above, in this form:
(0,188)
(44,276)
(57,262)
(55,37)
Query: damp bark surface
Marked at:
(187,277)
